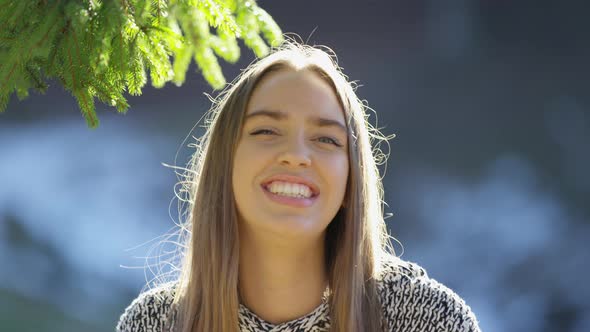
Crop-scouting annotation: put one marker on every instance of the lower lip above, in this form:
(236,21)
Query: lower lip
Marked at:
(290,201)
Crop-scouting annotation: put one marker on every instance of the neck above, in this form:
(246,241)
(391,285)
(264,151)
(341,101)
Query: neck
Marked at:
(281,280)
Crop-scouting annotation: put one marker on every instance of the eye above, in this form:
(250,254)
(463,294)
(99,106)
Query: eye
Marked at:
(263,132)
(329,140)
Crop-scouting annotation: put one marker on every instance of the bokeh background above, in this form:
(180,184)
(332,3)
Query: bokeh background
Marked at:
(488,179)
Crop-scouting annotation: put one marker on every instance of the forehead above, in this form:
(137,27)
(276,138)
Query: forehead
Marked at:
(301,92)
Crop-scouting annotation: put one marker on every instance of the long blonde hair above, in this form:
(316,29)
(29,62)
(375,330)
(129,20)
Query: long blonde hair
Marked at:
(206,297)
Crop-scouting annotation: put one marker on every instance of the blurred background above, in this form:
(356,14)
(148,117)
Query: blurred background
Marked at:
(488,179)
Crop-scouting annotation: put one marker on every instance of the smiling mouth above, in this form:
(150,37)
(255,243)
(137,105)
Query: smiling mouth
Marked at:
(290,199)
(289,189)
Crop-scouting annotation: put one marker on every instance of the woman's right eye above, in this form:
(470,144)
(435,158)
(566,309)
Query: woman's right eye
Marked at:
(263,132)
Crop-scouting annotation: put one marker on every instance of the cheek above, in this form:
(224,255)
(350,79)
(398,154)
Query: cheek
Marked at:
(238,169)
(337,172)
(248,161)
(242,157)
(344,175)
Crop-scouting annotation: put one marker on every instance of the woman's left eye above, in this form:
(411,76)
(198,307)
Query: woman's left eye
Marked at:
(329,140)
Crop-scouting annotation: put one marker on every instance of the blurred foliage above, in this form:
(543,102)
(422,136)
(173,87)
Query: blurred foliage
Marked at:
(104,48)
(24,314)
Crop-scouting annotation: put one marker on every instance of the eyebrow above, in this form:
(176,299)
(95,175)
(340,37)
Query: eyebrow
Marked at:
(280,116)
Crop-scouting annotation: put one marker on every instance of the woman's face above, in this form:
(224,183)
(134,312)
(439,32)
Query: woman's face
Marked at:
(291,164)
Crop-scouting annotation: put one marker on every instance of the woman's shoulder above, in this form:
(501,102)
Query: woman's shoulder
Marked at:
(149,311)
(412,301)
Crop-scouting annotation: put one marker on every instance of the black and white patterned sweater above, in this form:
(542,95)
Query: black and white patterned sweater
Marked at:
(411,302)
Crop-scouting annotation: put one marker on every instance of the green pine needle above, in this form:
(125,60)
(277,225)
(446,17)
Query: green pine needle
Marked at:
(99,49)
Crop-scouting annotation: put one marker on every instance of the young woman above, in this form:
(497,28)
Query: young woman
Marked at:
(285,219)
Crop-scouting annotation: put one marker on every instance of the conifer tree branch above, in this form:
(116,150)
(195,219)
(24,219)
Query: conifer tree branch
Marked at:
(6,80)
(104,48)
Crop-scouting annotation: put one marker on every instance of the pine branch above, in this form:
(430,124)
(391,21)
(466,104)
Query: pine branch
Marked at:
(104,49)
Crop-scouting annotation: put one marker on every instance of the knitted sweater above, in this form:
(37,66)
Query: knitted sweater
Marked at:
(410,301)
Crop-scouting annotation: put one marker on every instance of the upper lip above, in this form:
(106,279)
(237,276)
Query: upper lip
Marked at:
(293,179)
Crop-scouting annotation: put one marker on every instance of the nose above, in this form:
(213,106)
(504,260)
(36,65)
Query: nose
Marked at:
(295,154)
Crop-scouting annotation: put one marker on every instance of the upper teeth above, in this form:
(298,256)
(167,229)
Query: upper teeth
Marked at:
(289,189)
